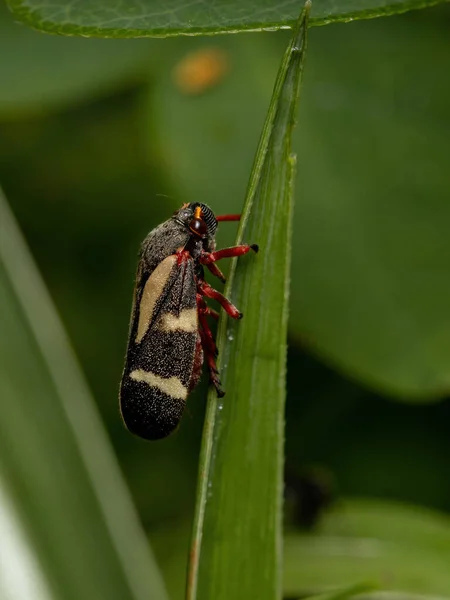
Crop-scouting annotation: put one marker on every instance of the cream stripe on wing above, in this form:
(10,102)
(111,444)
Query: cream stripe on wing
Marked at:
(152,291)
(185,321)
(171,386)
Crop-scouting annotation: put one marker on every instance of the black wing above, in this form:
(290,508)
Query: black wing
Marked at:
(161,349)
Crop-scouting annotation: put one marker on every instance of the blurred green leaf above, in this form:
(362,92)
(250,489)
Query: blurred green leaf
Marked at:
(70,505)
(391,521)
(155,18)
(370,291)
(344,594)
(398,547)
(39,72)
(398,596)
(236,548)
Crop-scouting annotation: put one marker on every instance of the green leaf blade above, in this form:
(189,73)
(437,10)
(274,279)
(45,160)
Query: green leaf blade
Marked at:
(369,291)
(161,19)
(236,548)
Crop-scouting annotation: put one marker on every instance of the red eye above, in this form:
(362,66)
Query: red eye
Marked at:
(198,226)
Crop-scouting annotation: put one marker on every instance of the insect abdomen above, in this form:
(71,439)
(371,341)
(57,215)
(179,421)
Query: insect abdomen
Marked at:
(161,351)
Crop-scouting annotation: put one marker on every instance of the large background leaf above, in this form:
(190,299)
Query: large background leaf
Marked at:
(39,72)
(370,290)
(155,17)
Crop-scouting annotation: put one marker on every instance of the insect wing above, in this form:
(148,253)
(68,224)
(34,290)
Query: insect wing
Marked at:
(161,350)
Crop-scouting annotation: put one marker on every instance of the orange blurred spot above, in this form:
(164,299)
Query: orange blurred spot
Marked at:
(201,70)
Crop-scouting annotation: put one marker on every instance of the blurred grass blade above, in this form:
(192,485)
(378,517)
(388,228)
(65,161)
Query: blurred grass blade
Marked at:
(20,576)
(57,468)
(236,549)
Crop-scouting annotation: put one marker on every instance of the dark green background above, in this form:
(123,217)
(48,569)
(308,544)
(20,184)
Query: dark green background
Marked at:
(97,146)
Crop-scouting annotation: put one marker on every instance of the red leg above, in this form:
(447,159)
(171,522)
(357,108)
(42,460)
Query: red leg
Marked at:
(205,309)
(209,346)
(212,313)
(211,257)
(206,290)
(216,271)
(183,256)
(229,218)
(211,362)
(213,373)
(208,338)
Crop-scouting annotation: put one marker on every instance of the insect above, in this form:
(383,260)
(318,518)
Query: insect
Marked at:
(169,335)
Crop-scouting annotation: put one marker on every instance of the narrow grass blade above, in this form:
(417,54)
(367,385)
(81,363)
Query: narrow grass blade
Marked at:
(71,507)
(236,548)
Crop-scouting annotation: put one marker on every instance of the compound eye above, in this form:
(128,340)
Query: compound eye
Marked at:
(198,226)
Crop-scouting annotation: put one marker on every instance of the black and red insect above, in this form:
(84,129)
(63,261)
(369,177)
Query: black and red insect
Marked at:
(169,334)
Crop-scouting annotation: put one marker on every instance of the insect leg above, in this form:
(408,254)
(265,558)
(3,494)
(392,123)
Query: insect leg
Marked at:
(216,271)
(208,338)
(208,343)
(208,258)
(228,218)
(213,373)
(210,351)
(205,309)
(206,290)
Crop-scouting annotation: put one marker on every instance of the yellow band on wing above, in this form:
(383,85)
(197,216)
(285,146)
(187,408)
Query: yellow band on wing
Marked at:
(153,289)
(171,386)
